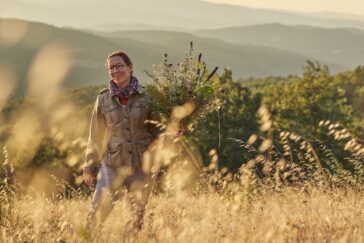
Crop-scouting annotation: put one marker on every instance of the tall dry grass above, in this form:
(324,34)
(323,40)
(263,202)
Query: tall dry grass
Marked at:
(309,215)
(278,196)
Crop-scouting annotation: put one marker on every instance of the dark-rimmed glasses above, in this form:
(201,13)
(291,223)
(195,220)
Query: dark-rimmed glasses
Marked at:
(118,66)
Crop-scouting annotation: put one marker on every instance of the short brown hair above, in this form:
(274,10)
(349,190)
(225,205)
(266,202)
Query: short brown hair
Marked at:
(121,54)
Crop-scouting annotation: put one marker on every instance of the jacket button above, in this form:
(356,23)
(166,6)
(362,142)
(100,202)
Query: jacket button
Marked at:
(126,117)
(128,129)
(130,152)
(128,141)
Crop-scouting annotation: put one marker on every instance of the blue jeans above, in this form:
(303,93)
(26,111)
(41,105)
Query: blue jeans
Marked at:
(110,185)
(105,176)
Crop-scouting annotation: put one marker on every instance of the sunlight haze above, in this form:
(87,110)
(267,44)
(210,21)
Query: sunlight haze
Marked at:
(338,6)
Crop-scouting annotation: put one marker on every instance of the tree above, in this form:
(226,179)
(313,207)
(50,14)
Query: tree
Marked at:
(235,119)
(300,103)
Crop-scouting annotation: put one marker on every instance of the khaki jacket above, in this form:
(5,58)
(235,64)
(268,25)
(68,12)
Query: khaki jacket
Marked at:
(118,134)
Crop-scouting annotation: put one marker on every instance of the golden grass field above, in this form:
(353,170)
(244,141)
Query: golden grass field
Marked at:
(283,202)
(306,215)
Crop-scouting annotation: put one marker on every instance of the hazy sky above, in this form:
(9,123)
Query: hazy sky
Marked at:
(339,6)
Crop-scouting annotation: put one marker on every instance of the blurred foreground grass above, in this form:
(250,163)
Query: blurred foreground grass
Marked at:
(277,196)
(308,214)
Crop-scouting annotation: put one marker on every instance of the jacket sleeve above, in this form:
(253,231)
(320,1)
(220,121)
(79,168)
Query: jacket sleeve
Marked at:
(95,140)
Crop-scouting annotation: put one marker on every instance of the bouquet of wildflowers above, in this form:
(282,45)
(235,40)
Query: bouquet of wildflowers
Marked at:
(188,84)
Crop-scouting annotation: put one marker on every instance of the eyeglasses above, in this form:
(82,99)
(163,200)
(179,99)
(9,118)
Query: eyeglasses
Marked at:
(118,66)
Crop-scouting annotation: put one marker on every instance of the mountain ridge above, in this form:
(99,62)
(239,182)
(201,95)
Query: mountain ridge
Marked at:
(89,51)
(180,14)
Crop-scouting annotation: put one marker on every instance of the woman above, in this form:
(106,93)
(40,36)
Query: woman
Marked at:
(118,125)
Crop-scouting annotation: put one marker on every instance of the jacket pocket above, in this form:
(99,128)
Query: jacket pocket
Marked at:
(114,155)
(112,114)
(139,114)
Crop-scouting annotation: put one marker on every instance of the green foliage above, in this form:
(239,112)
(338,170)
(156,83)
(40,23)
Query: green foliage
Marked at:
(300,103)
(189,82)
(235,119)
(353,84)
(48,149)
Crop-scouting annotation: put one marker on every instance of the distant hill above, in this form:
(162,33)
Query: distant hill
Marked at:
(145,47)
(116,26)
(86,49)
(245,60)
(186,14)
(340,45)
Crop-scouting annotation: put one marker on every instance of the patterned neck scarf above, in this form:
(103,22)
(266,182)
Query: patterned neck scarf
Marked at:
(126,92)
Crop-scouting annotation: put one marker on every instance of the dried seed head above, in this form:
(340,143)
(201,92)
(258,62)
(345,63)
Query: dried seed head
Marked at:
(266,144)
(252,139)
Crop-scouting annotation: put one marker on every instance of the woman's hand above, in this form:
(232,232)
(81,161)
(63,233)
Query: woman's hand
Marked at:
(88,178)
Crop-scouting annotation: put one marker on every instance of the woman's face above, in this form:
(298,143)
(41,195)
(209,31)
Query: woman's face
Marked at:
(119,71)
